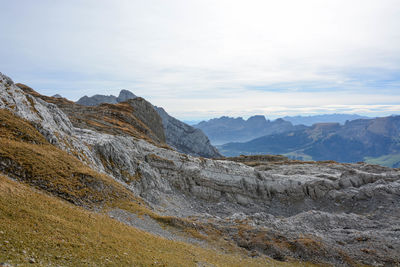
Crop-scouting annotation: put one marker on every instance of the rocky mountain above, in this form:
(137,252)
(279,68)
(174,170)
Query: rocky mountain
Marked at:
(96,100)
(191,211)
(358,140)
(136,117)
(185,138)
(322,118)
(179,135)
(225,129)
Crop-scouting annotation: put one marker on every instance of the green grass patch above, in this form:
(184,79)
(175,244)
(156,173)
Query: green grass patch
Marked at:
(392,160)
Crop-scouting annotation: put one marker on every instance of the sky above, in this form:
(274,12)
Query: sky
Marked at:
(201,59)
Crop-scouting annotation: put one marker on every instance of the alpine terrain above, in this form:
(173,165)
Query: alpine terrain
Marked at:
(118,182)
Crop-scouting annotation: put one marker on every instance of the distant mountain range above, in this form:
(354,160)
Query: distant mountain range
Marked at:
(225,129)
(310,120)
(371,140)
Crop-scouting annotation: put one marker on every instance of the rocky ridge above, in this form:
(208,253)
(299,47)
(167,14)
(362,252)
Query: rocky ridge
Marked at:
(341,214)
(96,100)
(181,136)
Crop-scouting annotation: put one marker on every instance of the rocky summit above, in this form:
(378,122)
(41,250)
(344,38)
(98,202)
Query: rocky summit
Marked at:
(260,210)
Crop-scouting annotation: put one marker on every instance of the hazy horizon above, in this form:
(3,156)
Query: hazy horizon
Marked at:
(206,59)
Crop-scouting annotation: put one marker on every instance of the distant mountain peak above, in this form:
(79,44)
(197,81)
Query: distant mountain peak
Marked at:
(97,99)
(226,129)
(124,95)
(257,118)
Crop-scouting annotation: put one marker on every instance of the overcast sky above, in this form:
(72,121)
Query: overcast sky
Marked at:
(202,59)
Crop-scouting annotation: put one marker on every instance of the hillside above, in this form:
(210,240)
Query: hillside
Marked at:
(77,193)
(358,140)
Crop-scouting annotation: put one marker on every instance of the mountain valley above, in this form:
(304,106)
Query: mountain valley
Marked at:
(371,140)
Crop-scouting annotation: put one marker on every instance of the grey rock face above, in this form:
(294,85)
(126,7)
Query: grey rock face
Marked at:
(185,138)
(145,112)
(125,95)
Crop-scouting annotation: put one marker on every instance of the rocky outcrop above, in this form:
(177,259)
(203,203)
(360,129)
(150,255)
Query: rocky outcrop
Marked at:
(325,212)
(185,138)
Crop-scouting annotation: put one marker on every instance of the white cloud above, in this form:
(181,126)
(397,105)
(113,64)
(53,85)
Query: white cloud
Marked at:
(204,55)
